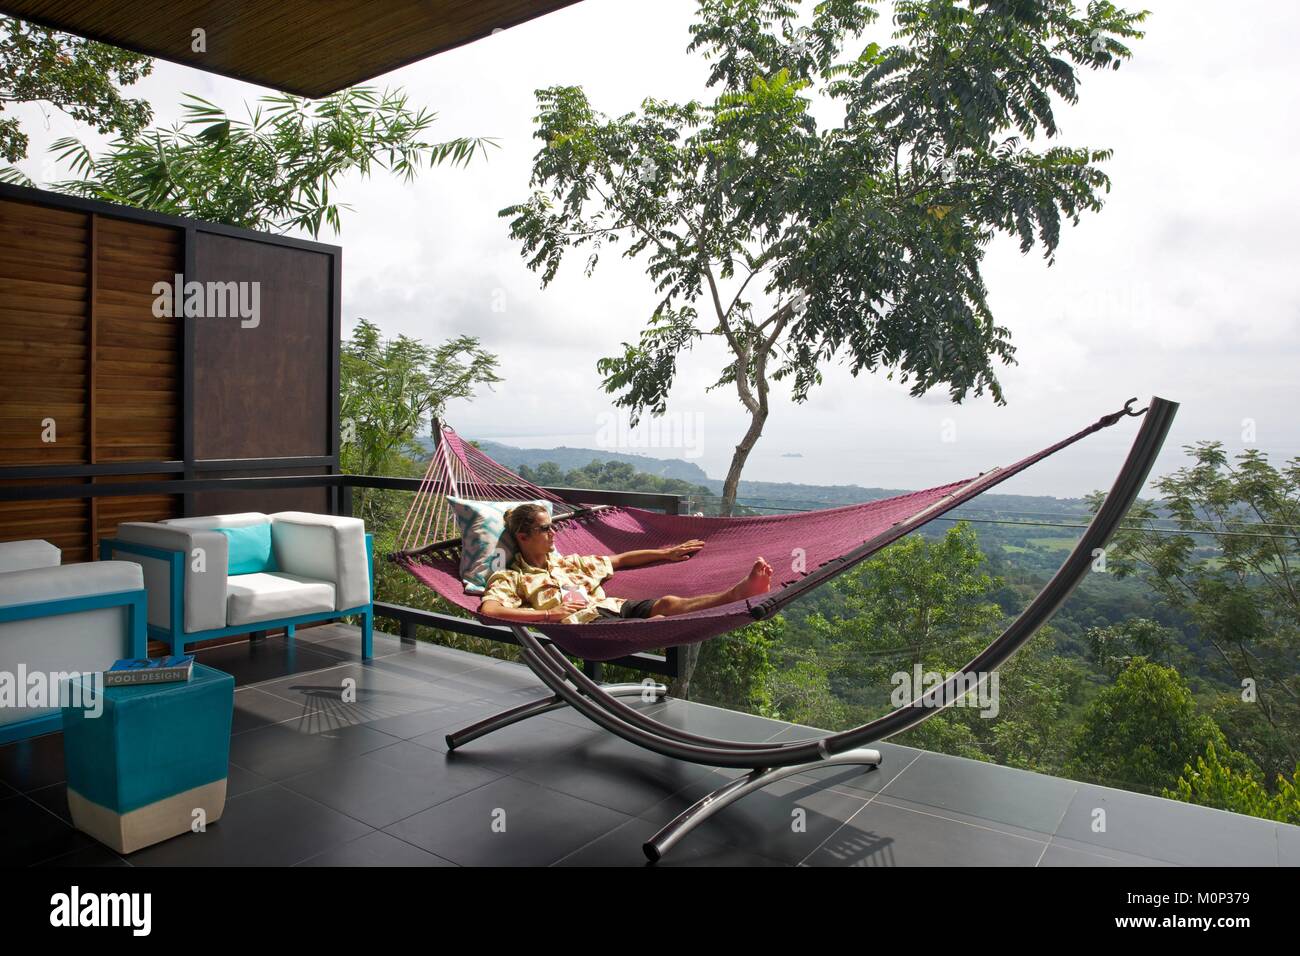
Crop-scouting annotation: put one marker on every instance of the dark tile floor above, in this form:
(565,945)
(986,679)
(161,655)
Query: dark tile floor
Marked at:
(338,763)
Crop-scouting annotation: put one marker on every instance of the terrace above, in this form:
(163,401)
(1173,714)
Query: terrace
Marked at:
(174,418)
(316,781)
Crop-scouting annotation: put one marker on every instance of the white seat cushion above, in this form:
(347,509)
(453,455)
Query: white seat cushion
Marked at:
(267,596)
(324,548)
(25,555)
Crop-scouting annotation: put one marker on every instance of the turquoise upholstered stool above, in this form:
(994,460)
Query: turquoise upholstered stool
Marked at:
(139,770)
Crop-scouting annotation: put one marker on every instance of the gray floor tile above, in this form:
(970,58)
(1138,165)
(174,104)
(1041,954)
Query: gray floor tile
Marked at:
(30,834)
(445,717)
(347,647)
(267,827)
(1065,852)
(33,763)
(241,780)
(717,723)
(264,660)
(1169,829)
(96,855)
(509,822)
(54,798)
(494,682)
(287,750)
(376,849)
(357,693)
(512,748)
(986,790)
(390,784)
(256,708)
(957,816)
(613,773)
(890,835)
(622,847)
(328,631)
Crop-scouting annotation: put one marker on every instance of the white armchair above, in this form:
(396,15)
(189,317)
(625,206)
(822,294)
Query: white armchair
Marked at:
(319,569)
(56,621)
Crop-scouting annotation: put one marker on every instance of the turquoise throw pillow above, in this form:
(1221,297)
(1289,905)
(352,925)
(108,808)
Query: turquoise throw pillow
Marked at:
(485,548)
(250,549)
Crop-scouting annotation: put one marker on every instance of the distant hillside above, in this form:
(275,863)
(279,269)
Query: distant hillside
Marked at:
(570,458)
(758,493)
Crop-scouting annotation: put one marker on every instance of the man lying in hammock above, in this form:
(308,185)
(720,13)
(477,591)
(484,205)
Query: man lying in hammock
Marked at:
(543,586)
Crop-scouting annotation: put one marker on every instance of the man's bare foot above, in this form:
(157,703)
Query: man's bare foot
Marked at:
(758,581)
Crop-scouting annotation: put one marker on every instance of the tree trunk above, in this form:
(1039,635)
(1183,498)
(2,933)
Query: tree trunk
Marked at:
(732,484)
(690,656)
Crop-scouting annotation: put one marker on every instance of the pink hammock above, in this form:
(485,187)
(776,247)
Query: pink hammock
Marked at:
(805,549)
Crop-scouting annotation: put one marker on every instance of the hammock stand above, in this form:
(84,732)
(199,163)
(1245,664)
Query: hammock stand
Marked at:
(462,469)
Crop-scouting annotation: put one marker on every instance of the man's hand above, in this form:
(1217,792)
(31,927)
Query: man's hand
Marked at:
(680,552)
(568,607)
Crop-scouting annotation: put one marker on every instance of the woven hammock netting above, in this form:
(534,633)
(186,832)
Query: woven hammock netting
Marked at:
(805,549)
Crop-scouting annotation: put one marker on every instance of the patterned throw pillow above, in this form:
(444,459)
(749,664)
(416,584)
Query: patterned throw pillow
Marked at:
(485,548)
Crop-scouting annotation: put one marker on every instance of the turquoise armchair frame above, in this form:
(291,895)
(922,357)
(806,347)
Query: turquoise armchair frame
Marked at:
(174,633)
(137,608)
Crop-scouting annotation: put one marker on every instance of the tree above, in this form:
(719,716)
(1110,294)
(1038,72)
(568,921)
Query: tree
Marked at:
(917,602)
(389,390)
(610,476)
(1112,647)
(1246,601)
(78,76)
(274,170)
(736,670)
(1212,783)
(1141,732)
(865,237)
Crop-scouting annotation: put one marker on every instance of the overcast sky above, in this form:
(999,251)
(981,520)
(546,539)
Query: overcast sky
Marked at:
(1183,286)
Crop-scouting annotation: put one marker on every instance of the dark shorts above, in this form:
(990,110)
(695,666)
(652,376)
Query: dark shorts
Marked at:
(630,609)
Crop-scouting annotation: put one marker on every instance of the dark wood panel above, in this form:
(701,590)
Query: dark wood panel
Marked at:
(265,500)
(264,392)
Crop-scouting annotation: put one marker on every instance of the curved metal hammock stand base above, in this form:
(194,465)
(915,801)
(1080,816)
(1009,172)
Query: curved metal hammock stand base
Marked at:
(767,763)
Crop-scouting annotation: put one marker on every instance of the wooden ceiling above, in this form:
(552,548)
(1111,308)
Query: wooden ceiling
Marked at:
(308,47)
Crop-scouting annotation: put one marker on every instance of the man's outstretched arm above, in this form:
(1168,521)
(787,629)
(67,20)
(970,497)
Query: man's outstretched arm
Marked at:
(634,559)
(493,608)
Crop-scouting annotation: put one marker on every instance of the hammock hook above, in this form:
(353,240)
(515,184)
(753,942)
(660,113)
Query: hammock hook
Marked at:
(1107,420)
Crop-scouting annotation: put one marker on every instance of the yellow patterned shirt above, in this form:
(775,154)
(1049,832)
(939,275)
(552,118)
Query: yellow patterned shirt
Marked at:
(524,585)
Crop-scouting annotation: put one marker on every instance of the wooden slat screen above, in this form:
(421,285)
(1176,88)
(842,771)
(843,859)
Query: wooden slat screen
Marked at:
(137,356)
(44,325)
(79,344)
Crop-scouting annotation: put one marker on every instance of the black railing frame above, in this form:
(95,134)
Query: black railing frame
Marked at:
(340,493)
